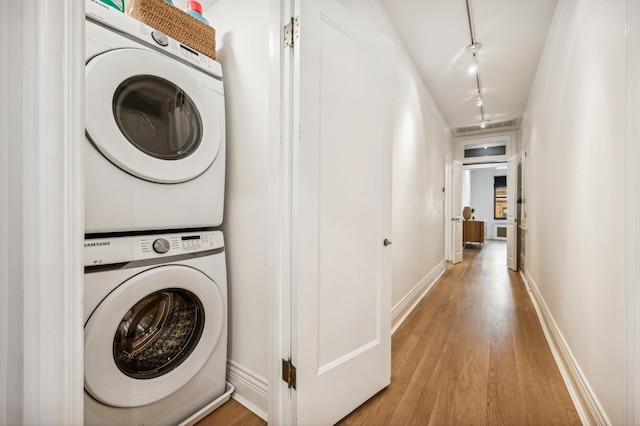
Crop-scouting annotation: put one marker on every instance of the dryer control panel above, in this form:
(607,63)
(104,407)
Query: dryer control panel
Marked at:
(107,251)
(132,28)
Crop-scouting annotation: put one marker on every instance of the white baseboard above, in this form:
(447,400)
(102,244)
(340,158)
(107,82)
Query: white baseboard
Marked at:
(587,405)
(401,311)
(251,389)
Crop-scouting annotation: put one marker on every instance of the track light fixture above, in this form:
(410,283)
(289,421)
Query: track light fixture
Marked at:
(473,48)
(473,69)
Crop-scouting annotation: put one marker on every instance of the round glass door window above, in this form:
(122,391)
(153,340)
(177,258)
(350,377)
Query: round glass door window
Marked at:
(158,333)
(153,117)
(157,117)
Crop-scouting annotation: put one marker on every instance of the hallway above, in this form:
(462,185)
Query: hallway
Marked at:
(472,352)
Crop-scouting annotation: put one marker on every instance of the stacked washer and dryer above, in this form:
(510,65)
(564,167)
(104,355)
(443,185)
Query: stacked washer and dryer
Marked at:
(155,295)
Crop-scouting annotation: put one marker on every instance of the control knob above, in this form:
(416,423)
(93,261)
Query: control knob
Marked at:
(160,38)
(161,245)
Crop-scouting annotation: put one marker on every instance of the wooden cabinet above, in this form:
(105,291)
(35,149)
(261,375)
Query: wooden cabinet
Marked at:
(473,231)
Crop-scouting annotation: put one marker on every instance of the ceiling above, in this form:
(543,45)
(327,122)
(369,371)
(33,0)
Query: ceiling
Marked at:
(436,33)
(512,34)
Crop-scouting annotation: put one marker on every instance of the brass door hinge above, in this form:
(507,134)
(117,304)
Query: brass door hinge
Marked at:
(291,32)
(289,373)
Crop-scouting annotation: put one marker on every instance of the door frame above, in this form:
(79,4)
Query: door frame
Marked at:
(457,225)
(41,213)
(451,216)
(631,207)
(448,210)
(508,138)
(280,407)
(512,210)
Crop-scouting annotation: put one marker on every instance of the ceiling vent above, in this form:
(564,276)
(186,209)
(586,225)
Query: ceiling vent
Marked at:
(489,127)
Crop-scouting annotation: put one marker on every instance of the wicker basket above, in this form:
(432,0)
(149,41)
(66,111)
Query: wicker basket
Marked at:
(175,23)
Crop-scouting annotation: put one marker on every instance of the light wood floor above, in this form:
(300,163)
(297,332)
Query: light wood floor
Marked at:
(232,413)
(471,353)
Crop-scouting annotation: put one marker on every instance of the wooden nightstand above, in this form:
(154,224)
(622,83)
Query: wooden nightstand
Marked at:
(473,231)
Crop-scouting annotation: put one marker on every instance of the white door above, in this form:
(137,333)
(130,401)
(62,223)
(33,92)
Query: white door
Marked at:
(341,213)
(456,216)
(512,225)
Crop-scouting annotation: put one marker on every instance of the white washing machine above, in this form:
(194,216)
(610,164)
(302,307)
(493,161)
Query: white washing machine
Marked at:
(155,129)
(155,327)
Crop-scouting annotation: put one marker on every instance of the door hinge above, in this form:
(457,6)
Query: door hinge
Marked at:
(289,373)
(291,32)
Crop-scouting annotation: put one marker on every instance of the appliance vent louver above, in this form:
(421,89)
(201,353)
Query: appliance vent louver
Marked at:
(502,125)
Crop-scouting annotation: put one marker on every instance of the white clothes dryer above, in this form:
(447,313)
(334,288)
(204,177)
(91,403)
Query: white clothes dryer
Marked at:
(155,129)
(155,327)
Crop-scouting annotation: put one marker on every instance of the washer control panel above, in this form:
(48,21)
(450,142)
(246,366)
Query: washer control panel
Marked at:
(107,251)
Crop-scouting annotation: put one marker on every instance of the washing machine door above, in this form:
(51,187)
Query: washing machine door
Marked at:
(151,335)
(153,117)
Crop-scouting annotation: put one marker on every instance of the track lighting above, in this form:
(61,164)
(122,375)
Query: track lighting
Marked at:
(473,69)
(473,48)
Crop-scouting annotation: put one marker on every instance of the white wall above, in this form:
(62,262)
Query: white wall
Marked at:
(573,133)
(420,144)
(242,43)
(466,188)
(482,181)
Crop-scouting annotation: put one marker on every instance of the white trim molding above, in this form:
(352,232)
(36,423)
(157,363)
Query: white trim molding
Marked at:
(251,389)
(585,401)
(42,210)
(402,309)
(281,404)
(279,303)
(448,210)
(631,207)
(509,139)
(8,354)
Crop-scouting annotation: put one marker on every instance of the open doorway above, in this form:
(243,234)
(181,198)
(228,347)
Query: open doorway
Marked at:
(484,192)
(490,196)
(490,213)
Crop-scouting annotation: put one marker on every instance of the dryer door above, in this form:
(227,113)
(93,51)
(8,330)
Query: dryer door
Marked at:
(153,117)
(151,335)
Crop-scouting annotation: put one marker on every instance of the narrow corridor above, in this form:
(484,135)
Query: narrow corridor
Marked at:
(471,353)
